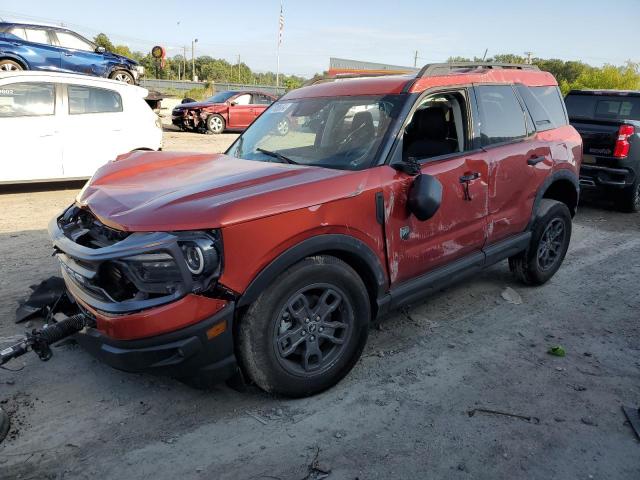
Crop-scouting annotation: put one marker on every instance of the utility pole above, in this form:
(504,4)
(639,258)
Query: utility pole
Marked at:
(238,68)
(193,59)
(184,61)
(415,59)
(528,54)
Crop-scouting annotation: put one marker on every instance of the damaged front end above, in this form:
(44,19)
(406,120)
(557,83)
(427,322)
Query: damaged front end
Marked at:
(149,301)
(119,272)
(189,118)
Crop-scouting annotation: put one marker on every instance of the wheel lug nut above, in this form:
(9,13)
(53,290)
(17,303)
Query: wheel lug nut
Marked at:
(303,333)
(318,318)
(306,320)
(312,338)
(320,329)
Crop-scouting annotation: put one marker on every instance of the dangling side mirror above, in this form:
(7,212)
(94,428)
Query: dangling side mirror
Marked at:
(100,49)
(425,197)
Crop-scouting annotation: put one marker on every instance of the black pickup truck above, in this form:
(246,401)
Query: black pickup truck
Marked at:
(609,123)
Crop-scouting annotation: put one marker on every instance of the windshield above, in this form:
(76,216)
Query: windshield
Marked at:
(603,107)
(344,133)
(220,97)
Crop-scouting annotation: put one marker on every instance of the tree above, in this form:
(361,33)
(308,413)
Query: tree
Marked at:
(102,40)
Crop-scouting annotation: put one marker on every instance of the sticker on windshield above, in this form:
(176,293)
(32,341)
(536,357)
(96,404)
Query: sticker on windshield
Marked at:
(280,107)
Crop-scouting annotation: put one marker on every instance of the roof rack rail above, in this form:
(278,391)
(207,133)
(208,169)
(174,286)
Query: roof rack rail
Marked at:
(435,69)
(345,76)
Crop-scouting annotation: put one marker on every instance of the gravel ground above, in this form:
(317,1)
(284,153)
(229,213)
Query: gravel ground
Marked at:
(404,411)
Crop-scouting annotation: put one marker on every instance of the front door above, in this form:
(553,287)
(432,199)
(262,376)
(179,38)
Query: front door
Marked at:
(241,111)
(80,56)
(438,138)
(32,146)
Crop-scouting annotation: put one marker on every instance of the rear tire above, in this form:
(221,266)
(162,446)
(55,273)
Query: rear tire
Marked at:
(216,124)
(307,330)
(628,200)
(551,234)
(10,66)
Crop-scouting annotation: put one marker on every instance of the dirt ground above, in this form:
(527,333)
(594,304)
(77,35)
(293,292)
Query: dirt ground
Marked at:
(404,411)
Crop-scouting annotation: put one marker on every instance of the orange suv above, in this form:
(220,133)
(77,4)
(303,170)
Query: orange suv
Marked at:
(271,260)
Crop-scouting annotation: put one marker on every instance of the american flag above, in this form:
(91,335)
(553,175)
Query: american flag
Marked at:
(281,25)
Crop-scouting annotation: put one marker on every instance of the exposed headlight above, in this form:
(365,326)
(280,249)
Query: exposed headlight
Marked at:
(139,69)
(201,255)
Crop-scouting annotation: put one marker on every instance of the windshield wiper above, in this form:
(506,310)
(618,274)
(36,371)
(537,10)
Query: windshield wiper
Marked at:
(277,155)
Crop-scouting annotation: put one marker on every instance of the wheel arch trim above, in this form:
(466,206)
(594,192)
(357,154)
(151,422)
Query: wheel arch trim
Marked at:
(336,244)
(563,175)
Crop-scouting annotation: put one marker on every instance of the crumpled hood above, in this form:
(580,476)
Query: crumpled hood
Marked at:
(195,105)
(120,58)
(162,191)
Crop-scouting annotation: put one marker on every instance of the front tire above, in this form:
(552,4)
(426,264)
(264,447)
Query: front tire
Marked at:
(123,76)
(551,234)
(307,330)
(10,66)
(216,124)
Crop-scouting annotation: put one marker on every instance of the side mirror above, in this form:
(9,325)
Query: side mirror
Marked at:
(425,197)
(233,104)
(100,49)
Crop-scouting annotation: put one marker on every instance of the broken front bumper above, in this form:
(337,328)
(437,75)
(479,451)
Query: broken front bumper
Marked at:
(203,351)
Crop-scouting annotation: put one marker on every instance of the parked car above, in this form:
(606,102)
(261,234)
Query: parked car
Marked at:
(233,111)
(40,47)
(609,122)
(275,257)
(59,126)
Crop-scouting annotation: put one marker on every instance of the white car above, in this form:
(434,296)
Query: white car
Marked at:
(58,126)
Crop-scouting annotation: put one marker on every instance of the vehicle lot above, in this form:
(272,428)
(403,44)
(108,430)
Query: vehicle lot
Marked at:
(402,412)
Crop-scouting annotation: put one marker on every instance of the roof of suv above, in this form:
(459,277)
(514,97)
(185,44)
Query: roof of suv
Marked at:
(395,84)
(6,25)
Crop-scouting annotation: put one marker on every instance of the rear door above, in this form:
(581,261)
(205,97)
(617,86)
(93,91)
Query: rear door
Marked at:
(241,111)
(36,48)
(32,149)
(513,154)
(447,153)
(94,129)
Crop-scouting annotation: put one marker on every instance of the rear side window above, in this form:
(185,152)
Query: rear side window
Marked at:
(603,107)
(92,100)
(27,100)
(37,35)
(501,116)
(544,105)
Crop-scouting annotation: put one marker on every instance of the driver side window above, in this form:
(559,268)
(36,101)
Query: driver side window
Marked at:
(243,99)
(438,127)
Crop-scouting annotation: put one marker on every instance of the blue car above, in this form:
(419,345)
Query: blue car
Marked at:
(39,47)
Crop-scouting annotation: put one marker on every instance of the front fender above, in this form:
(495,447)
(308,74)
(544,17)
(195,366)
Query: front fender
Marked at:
(353,248)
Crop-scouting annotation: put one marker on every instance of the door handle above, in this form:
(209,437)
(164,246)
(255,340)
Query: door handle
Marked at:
(469,177)
(465,180)
(535,160)
(68,54)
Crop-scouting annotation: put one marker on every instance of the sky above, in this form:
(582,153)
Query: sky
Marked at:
(593,31)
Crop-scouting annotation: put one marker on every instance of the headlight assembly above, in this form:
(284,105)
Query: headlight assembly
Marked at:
(200,255)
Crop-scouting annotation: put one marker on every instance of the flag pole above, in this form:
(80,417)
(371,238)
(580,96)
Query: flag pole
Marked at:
(280,28)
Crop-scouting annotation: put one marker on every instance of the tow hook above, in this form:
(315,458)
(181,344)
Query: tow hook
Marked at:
(40,340)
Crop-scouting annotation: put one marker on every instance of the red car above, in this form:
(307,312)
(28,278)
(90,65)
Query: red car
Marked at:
(272,260)
(233,111)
